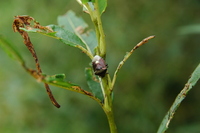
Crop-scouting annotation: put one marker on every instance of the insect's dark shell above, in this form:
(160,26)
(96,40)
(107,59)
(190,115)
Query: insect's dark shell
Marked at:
(99,66)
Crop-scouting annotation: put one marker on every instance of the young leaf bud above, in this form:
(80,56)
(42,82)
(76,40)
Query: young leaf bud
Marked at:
(99,66)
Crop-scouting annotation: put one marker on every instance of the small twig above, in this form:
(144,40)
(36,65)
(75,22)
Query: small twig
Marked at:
(127,56)
(21,22)
(142,42)
(53,100)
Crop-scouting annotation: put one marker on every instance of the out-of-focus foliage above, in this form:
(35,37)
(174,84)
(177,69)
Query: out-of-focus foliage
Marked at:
(147,84)
(180,97)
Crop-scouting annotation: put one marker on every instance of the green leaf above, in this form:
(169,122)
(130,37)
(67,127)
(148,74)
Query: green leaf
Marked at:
(57,77)
(10,50)
(71,22)
(90,39)
(93,84)
(58,80)
(102,5)
(180,97)
(59,33)
(189,29)
(195,76)
(77,25)
(85,1)
(67,36)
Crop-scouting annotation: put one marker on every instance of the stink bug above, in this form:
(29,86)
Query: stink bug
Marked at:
(99,66)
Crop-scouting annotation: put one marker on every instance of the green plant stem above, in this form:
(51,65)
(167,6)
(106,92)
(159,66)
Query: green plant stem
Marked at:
(96,19)
(102,43)
(107,106)
(128,54)
(111,121)
(101,51)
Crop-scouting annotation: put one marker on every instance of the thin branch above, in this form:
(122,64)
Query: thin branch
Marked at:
(127,56)
(96,19)
(102,42)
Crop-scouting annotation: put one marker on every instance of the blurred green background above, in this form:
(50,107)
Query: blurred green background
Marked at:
(146,86)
